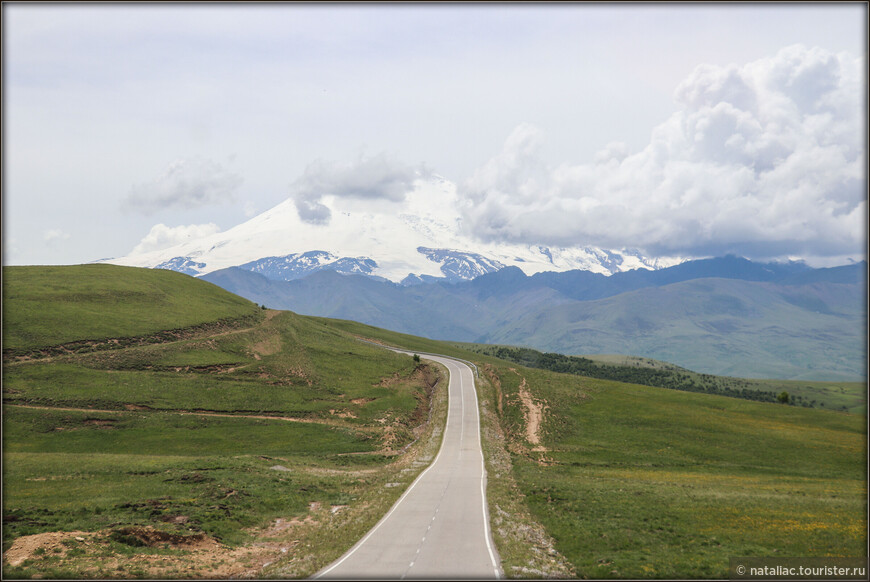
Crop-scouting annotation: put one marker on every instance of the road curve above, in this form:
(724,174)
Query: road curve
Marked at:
(439,528)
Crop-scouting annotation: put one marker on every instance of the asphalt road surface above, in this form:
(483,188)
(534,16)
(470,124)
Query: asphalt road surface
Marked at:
(439,528)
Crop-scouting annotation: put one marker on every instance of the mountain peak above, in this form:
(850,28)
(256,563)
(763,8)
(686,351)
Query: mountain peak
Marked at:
(417,234)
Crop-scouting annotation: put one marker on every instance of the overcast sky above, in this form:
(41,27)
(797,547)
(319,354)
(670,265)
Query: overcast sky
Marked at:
(678,130)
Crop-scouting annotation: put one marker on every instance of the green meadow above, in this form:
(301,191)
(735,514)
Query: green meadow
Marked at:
(646,482)
(643,482)
(47,306)
(243,418)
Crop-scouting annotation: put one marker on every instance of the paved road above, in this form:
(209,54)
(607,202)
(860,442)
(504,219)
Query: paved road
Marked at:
(439,528)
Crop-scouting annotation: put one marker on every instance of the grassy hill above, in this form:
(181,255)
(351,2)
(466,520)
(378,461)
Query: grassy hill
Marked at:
(243,427)
(646,482)
(643,482)
(47,306)
(278,438)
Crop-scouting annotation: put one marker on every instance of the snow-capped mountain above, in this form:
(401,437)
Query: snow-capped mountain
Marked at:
(413,240)
(299,265)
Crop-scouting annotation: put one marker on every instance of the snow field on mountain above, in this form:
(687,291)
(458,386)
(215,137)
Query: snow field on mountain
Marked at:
(421,235)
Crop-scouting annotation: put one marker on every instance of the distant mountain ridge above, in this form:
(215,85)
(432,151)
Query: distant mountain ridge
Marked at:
(407,264)
(724,315)
(583,285)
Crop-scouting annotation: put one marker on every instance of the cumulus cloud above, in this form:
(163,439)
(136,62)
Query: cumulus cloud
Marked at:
(765,159)
(162,237)
(186,183)
(378,177)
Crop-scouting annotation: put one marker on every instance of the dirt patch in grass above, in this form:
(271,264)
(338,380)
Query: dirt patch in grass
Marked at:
(150,537)
(342,413)
(281,525)
(27,547)
(390,438)
(534,415)
(390,381)
(160,554)
(267,347)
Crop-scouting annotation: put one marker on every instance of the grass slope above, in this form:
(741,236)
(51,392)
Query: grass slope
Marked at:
(185,435)
(627,481)
(46,306)
(643,482)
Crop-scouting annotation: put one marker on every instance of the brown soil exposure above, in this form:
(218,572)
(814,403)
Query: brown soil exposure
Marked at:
(268,346)
(389,438)
(390,381)
(152,538)
(202,557)
(342,414)
(24,547)
(534,414)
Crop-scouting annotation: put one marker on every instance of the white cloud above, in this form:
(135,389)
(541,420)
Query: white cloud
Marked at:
(162,237)
(765,159)
(186,183)
(53,235)
(374,178)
